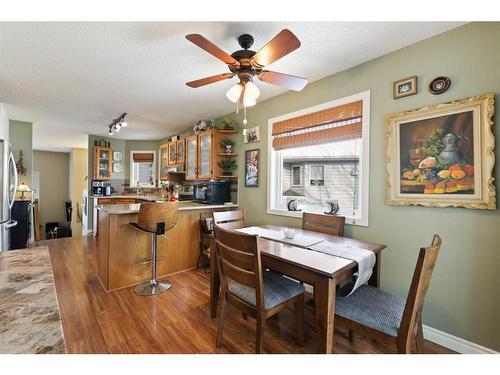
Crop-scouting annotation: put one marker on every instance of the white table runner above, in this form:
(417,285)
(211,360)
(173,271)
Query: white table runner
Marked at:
(364,258)
(300,240)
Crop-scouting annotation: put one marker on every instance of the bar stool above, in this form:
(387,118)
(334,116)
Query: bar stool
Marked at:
(155,219)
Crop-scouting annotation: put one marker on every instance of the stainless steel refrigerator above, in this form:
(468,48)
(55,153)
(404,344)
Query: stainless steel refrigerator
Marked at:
(8,184)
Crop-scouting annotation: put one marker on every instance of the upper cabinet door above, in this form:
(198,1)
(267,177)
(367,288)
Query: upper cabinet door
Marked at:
(191,157)
(205,155)
(181,151)
(163,162)
(172,153)
(102,163)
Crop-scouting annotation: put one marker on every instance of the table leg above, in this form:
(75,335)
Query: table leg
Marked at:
(324,311)
(375,277)
(214,281)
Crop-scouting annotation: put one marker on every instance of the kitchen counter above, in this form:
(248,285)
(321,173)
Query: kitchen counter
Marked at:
(122,249)
(30,321)
(124,209)
(150,198)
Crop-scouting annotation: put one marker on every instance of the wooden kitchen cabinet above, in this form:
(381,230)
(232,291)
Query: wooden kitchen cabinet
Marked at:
(181,151)
(172,153)
(203,153)
(163,152)
(102,163)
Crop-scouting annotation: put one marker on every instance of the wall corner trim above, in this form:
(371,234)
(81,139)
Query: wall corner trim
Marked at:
(455,343)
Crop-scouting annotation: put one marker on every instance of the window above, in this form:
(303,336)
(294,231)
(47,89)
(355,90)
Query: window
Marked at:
(319,155)
(317,175)
(143,168)
(296,175)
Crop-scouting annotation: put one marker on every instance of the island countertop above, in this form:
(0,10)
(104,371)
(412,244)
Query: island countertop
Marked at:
(150,198)
(125,209)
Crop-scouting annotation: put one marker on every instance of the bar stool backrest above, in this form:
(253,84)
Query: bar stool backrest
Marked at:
(152,214)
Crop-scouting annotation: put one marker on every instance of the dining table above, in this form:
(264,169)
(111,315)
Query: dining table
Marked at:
(320,270)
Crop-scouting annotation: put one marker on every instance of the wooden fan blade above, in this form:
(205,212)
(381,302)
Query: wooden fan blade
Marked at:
(212,49)
(283,80)
(208,80)
(281,45)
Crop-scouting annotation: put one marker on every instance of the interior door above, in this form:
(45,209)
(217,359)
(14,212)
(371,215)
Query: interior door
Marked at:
(191,157)
(205,156)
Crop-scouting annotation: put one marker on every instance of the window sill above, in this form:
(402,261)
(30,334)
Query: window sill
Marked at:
(298,215)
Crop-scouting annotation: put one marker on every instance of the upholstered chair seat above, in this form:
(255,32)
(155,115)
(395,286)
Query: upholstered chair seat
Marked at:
(372,307)
(277,289)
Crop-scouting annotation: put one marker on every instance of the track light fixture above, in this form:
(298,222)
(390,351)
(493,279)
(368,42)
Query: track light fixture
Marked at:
(117,124)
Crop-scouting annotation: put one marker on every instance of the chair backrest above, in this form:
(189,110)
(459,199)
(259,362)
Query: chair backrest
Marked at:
(238,259)
(230,219)
(329,224)
(152,214)
(419,286)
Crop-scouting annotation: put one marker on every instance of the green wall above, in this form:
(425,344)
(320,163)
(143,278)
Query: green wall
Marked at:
(463,296)
(21,138)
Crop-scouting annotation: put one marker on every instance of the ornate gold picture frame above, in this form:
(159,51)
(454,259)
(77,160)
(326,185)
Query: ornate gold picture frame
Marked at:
(442,155)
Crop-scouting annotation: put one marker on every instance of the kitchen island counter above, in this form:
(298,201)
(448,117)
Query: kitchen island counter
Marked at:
(124,252)
(124,209)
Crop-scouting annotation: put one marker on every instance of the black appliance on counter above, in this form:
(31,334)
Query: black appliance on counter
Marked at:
(212,192)
(20,233)
(98,188)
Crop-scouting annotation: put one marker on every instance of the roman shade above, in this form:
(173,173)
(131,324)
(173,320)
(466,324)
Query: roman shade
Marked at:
(327,126)
(143,157)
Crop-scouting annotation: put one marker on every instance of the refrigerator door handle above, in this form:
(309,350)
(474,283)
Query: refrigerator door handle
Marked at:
(15,181)
(11,223)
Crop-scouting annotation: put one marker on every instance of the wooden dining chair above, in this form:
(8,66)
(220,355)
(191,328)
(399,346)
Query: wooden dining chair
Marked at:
(250,289)
(329,224)
(386,317)
(230,219)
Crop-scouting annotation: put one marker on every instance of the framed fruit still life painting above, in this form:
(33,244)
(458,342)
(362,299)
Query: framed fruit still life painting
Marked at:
(442,155)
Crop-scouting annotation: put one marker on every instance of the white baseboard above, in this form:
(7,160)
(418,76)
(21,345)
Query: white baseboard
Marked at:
(455,343)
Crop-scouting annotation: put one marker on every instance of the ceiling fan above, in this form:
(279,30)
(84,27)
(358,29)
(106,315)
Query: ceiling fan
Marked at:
(247,64)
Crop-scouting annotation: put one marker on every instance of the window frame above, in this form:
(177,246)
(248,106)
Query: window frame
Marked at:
(301,182)
(274,160)
(132,184)
(310,174)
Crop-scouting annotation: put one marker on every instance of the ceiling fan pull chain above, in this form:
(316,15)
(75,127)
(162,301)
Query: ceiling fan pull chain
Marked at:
(244,115)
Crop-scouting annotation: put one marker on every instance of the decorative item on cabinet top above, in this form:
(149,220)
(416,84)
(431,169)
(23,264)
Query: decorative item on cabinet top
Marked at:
(442,155)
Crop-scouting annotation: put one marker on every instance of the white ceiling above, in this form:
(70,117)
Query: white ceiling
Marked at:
(72,79)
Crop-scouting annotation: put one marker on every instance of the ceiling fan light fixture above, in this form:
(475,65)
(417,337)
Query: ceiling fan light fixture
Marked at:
(234,93)
(251,94)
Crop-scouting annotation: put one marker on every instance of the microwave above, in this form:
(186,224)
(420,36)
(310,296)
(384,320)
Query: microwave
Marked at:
(213,192)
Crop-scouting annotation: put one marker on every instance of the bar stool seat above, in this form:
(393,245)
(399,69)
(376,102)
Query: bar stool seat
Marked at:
(155,219)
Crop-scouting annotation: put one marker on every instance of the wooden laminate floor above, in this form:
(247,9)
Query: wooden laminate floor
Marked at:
(176,321)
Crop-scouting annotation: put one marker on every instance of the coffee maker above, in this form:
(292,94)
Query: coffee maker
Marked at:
(98,188)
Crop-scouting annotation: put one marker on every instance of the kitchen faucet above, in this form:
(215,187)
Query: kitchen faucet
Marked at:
(140,190)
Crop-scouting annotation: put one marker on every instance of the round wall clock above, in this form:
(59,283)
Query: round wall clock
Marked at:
(439,85)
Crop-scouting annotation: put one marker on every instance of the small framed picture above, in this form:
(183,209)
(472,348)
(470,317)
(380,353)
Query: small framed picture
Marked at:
(252,168)
(117,167)
(251,135)
(117,156)
(404,87)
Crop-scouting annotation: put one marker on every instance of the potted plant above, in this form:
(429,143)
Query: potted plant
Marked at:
(228,165)
(227,145)
(200,126)
(228,124)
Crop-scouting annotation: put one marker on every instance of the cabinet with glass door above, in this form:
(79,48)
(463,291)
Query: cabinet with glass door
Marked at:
(102,163)
(163,161)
